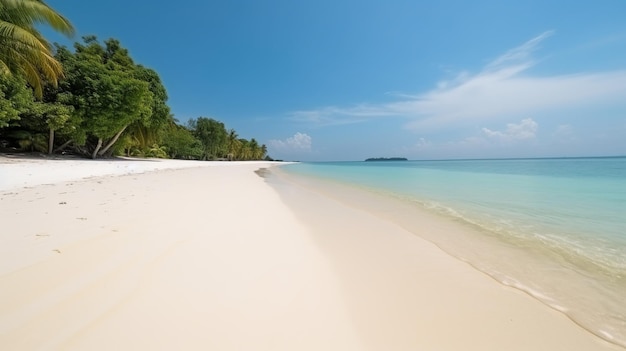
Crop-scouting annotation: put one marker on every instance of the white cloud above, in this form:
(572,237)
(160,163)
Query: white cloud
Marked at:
(328,116)
(527,129)
(297,143)
(503,89)
(487,143)
(520,55)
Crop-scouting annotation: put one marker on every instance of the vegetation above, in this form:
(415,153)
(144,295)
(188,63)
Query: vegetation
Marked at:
(386,159)
(24,51)
(101,103)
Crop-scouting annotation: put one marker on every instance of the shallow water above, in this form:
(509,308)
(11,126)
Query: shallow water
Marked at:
(554,228)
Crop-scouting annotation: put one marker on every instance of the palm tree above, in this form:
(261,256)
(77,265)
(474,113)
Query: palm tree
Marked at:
(244,150)
(254,149)
(233,144)
(23,50)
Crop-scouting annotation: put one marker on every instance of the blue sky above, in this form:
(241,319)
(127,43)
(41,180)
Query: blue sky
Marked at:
(346,80)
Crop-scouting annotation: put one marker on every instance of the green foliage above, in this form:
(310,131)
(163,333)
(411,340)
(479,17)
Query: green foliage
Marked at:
(181,143)
(15,98)
(157,151)
(107,104)
(106,95)
(146,132)
(213,136)
(42,116)
(29,141)
(23,50)
(217,143)
(161,114)
(101,85)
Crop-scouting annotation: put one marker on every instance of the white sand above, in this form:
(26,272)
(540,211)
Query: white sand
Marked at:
(23,172)
(212,258)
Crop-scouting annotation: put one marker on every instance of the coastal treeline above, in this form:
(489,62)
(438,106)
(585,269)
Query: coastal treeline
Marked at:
(93,100)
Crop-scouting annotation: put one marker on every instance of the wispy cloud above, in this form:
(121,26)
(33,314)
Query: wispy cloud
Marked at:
(299,142)
(526,129)
(502,89)
(337,116)
(519,56)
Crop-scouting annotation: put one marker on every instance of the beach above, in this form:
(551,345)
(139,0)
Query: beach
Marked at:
(164,254)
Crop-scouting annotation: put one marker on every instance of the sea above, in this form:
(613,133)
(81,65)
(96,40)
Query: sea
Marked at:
(554,228)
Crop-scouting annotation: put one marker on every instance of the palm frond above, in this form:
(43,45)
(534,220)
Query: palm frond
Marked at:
(22,48)
(35,11)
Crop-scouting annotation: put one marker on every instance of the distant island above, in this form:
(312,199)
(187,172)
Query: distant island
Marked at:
(386,159)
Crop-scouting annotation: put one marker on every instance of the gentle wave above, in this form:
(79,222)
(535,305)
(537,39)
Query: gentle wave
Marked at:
(560,239)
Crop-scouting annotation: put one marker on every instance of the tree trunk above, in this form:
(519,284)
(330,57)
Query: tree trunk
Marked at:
(50,141)
(95,152)
(63,146)
(117,136)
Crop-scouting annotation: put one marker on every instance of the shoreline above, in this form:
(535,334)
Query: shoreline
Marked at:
(453,237)
(567,282)
(220,258)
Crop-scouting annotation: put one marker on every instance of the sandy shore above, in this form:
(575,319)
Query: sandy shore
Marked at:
(211,257)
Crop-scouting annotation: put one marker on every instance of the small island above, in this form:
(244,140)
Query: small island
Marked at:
(386,159)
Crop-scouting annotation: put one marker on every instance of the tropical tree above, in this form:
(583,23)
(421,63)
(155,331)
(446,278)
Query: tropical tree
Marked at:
(15,98)
(143,134)
(254,149)
(244,150)
(233,144)
(212,134)
(23,50)
(54,117)
(104,91)
(180,143)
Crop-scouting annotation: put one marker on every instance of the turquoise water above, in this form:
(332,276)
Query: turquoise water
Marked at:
(555,228)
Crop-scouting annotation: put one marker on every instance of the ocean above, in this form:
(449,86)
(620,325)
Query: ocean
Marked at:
(554,228)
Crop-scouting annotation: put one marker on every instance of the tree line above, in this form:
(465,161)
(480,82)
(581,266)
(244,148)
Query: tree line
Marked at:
(94,100)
